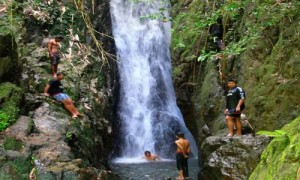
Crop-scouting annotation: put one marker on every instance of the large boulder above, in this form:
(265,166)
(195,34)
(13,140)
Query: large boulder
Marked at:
(231,158)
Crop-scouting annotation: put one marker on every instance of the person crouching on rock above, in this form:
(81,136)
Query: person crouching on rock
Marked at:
(54,88)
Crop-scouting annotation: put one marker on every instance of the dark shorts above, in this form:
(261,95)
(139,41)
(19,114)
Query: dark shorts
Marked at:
(55,59)
(233,113)
(181,161)
(182,164)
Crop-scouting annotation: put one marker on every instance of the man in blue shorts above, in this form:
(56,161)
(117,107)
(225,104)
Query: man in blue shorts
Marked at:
(235,104)
(54,88)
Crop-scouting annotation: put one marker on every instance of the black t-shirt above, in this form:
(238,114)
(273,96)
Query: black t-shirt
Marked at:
(55,87)
(233,97)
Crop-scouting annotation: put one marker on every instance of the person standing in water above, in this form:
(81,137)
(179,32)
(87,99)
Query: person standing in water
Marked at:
(182,155)
(235,103)
(53,50)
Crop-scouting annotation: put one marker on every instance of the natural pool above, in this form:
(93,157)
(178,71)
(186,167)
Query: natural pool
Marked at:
(157,170)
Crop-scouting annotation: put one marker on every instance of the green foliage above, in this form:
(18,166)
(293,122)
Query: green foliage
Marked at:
(10,22)
(278,135)
(191,28)
(3,121)
(69,136)
(20,168)
(280,160)
(100,80)
(204,55)
(8,115)
(10,96)
(56,22)
(12,144)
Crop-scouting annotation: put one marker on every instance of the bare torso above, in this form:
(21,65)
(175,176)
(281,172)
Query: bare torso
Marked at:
(183,146)
(53,47)
(153,157)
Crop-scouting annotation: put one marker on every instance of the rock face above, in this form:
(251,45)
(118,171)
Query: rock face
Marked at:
(267,68)
(231,158)
(51,156)
(10,65)
(268,72)
(45,141)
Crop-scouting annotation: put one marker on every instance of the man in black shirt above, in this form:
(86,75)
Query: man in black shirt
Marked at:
(54,88)
(234,106)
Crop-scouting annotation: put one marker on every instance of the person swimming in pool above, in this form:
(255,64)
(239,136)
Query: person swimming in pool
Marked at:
(151,157)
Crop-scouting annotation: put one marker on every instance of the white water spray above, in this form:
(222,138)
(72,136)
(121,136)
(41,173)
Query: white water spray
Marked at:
(149,115)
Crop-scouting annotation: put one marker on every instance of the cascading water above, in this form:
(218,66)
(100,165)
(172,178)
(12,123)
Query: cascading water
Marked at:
(147,109)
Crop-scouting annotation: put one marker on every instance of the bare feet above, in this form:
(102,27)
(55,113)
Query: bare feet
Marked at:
(74,116)
(179,178)
(229,135)
(79,114)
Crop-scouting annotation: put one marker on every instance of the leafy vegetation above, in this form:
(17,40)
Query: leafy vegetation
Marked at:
(53,16)
(10,97)
(10,22)
(280,160)
(278,135)
(8,115)
(243,23)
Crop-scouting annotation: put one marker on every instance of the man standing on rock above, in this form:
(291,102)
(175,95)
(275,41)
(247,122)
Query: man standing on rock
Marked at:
(53,50)
(182,155)
(54,88)
(234,106)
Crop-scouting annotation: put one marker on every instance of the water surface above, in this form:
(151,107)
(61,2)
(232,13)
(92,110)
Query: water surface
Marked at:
(157,170)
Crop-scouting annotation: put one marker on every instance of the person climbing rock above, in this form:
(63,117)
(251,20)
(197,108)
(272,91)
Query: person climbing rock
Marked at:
(182,155)
(53,50)
(54,88)
(150,157)
(235,104)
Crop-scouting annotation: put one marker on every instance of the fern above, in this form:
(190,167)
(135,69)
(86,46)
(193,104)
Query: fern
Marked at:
(278,135)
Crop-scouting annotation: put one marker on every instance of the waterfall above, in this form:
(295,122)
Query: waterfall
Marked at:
(147,109)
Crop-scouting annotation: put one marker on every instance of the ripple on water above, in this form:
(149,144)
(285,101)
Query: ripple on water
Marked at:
(137,169)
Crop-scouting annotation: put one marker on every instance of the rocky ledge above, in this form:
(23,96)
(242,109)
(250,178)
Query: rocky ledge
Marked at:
(231,158)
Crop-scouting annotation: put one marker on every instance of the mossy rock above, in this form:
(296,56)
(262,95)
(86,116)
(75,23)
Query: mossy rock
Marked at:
(10,100)
(281,159)
(9,91)
(18,168)
(12,144)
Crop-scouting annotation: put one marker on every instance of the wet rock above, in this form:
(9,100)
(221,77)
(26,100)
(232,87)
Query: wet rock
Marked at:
(231,158)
